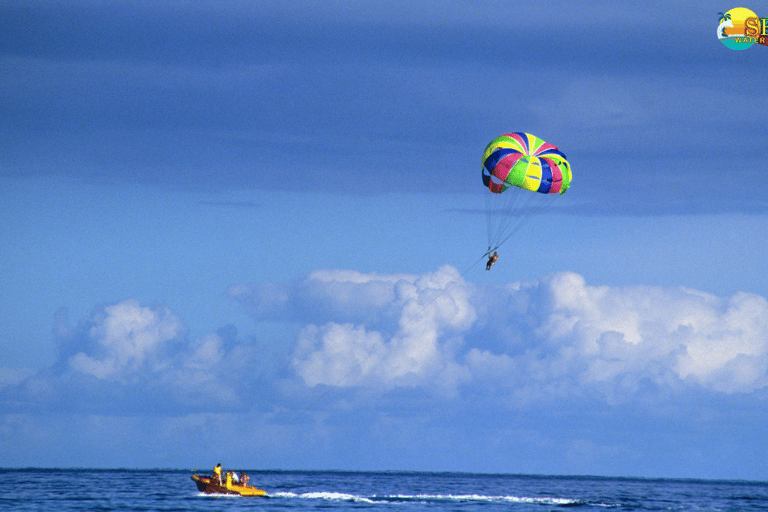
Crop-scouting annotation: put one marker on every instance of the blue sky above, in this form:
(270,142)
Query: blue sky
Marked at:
(265,219)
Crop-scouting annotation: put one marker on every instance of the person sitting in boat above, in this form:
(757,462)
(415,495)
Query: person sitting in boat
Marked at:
(217,472)
(244,479)
(235,478)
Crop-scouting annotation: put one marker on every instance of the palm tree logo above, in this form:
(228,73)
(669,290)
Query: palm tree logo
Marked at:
(725,22)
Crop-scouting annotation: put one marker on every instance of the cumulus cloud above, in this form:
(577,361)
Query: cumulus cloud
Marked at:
(373,329)
(126,337)
(131,357)
(511,345)
(656,333)
(556,337)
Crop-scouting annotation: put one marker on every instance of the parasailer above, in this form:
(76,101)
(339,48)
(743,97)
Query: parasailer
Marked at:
(521,173)
(492,260)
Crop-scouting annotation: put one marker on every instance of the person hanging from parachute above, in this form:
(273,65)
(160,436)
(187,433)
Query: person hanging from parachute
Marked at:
(521,173)
(492,260)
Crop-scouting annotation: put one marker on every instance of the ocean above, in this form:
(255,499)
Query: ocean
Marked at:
(61,490)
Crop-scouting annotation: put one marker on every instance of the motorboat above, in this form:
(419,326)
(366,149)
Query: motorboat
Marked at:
(211,485)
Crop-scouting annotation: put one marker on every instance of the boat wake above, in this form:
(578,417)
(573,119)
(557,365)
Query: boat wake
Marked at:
(429,498)
(217,495)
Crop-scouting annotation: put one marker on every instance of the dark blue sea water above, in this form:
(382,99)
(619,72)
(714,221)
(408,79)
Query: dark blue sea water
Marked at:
(61,490)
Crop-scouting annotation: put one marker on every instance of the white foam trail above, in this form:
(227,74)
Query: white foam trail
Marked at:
(338,496)
(479,497)
(331,496)
(217,495)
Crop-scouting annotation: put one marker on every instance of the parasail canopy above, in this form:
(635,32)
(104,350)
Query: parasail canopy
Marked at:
(521,173)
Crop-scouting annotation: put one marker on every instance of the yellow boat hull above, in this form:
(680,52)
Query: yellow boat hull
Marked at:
(211,485)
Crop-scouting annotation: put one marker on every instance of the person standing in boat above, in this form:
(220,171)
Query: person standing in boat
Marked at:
(217,472)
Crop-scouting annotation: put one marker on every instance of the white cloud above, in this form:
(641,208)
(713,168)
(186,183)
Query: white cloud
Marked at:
(127,337)
(127,356)
(515,345)
(555,337)
(207,351)
(728,351)
(338,354)
(599,335)
(419,344)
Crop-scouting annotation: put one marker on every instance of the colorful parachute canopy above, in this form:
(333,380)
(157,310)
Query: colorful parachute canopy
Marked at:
(531,171)
(525,161)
